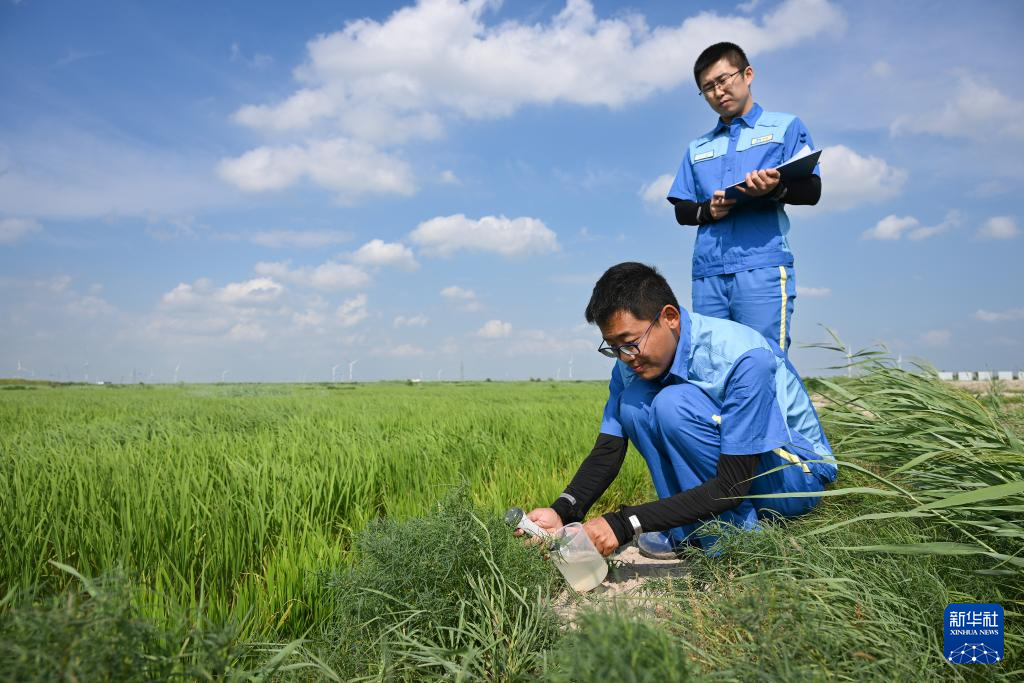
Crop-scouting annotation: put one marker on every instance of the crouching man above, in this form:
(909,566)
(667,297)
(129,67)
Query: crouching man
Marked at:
(715,409)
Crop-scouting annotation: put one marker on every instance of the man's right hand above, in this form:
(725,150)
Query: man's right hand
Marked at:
(720,206)
(546,518)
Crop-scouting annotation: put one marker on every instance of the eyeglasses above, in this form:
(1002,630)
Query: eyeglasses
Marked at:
(627,351)
(721,82)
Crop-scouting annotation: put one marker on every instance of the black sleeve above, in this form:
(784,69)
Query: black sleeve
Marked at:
(802,191)
(595,474)
(691,213)
(718,494)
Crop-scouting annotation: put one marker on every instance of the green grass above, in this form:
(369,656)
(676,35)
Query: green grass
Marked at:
(283,512)
(238,494)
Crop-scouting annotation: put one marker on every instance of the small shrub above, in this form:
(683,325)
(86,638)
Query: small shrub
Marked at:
(96,632)
(452,590)
(611,645)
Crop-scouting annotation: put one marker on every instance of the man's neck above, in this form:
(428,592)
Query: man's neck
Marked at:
(746,110)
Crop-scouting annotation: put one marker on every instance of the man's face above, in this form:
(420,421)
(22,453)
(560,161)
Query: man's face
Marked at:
(731,98)
(657,342)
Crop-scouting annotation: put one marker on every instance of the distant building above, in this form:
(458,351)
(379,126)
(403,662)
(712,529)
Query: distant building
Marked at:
(964,376)
(946,376)
(1005,375)
(984,375)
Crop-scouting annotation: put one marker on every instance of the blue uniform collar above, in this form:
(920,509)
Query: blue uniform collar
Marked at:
(748,120)
(681,362)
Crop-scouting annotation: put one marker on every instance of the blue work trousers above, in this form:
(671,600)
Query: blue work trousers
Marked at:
(674,427)
(762,298)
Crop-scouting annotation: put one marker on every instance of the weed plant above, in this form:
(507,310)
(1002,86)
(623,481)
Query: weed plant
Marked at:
(95,631)
(614,645)
(451,594)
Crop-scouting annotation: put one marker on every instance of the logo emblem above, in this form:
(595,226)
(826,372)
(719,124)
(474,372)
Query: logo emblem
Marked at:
(973,633)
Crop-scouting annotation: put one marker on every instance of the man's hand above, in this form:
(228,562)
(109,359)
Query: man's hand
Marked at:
(720,206)
(760,183)
(601,535)
(546,518)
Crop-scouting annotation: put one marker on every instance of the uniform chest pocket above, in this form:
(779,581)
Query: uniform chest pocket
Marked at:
(763,149)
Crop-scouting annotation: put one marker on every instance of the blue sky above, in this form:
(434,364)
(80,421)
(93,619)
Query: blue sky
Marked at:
(268,191)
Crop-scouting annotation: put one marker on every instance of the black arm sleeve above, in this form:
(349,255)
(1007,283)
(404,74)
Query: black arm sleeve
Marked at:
(690,212)
(718,494)
(595,474)
(803,191)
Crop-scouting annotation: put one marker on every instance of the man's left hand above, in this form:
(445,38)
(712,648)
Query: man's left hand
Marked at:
(760,183)
(601,535)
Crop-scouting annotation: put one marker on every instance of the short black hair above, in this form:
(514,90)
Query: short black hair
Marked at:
(634,287)
(731,51)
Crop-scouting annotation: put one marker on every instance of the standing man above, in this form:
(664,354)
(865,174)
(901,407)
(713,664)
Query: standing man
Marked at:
(742,265)
(716,411)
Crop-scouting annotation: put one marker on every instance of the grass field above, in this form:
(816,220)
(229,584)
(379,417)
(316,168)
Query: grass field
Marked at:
(227,515)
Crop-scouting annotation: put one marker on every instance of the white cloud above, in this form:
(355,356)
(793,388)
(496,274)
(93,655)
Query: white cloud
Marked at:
(352,311)
(936,337)
(999,316)
(202,292)
(300,239)
(449,178)
(894,227)
(349,167)
(891,227)
(14,229)
(258,60)
(654,192)
(247,332)
(309,318)
(379,253)
(999,228)
(392,80)
(495,329)
(849,179)
(465,299)
(814,292)
(973,109)
(446,235)
(418,320)
(327,276)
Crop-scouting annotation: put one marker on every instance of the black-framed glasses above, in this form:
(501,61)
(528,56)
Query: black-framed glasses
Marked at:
(720,82)
(627,351)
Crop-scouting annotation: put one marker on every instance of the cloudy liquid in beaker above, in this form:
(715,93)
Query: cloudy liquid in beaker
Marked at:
(583,571)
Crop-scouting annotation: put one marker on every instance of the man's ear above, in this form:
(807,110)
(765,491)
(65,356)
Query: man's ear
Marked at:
(671,315)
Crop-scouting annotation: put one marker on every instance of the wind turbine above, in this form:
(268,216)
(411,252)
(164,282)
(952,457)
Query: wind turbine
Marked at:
(176,368)
(570,366)
(350,366)
(21,368)
(334,372)
(439,374)
(849,362)
(86,369)
(899,362)
(223,375)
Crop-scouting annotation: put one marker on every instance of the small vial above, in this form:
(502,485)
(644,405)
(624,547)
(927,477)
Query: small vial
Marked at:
(517,519)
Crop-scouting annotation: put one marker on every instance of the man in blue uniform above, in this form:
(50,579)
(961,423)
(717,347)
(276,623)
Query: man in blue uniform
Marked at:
(742,265)
(716,410)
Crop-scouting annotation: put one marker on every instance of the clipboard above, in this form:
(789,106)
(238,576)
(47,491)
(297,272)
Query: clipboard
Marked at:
(797,167)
